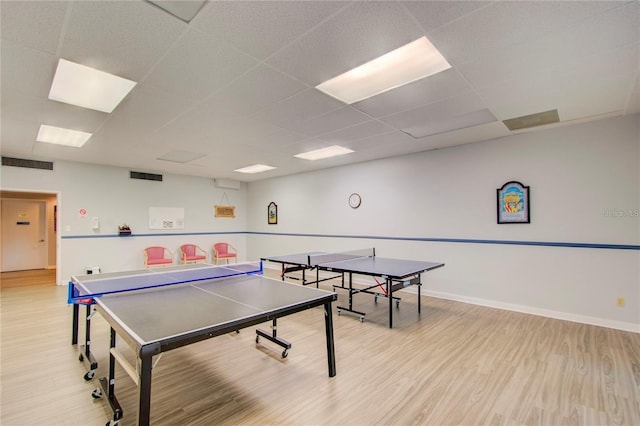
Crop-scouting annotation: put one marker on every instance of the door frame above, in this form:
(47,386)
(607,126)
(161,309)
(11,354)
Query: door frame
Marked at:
(32,194)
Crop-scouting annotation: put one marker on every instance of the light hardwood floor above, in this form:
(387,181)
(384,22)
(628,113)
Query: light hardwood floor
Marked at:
(455,364)
(37,277)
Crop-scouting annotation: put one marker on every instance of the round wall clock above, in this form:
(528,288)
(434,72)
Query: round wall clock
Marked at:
(355,200)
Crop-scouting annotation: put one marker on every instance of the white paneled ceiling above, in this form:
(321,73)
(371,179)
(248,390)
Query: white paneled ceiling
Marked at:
(234,86)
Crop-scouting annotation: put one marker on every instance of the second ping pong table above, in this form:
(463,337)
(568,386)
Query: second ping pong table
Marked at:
(397,273)
(155,312)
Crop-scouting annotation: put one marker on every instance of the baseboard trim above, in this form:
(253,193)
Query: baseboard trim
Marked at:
(548,313)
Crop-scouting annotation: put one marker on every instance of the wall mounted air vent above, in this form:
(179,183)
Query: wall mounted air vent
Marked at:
(533,120)
(145,176)
(29,164)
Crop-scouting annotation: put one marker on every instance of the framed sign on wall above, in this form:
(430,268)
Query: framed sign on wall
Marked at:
(513,203)
(272,213)
(225,211)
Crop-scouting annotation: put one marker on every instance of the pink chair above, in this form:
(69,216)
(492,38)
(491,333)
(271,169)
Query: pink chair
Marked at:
(157,256)
(224,251)
(191,253)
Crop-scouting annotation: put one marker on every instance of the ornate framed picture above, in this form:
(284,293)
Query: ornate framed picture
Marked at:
(272,213)
(513,203)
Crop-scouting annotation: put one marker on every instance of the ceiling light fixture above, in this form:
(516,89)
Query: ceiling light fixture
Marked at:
(404,65)
(256,168)
(319,154)
(87,87)
(62,136)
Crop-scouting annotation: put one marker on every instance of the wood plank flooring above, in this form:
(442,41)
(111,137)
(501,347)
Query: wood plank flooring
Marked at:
(455,364)
(37,277)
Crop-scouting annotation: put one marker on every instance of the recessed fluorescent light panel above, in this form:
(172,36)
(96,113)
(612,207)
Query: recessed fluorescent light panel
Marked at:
(404,65)
(87,87)
(319,154)
(62,136)
(256,168)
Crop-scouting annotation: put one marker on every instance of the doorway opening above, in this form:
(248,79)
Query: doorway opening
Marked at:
(29,239)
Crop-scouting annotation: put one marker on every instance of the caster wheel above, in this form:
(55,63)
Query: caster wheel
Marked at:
(361,319)
(89,375)
(96,394)
(81,358)
(397,303)
(375,298)
(257,339)
(339,311)
(285,353)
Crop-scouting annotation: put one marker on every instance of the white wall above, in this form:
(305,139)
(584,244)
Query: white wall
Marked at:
(110,195)
(581,178)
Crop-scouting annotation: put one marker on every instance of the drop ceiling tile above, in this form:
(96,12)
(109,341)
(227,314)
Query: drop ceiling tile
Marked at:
(36,111)
(434,14)
(471,36)
(129,36)
(481,132)
(261,28)
(425,91)
(197,65)
(146,111)
(633,105)
(359,33)
(180,156)
(184,10)
(557,50)
(329,122)
(607,78)
(437,112)
(27,70)
(271,139)
(454,122)
(260,87)
(359,131)
(18,137)
(45,21)
(301,107)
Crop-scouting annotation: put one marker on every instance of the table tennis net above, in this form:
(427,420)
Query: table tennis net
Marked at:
(319,259)
(99,286)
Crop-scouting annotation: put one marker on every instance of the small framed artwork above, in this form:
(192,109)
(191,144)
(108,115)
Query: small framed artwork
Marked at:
(513,203)
(225,211)
(272,213)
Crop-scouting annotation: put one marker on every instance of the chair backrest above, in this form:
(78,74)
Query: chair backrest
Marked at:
(155,252)
(188,249)
(221,248)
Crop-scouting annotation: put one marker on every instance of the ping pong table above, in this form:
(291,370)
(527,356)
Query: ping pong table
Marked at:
(155,311)
(397,273)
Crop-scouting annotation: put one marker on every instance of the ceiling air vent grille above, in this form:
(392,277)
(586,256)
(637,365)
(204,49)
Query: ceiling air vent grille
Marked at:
(533,120)
(29,164)
(145,176)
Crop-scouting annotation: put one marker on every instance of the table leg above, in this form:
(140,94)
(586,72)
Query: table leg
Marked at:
(328,325)
(390,297)
(144,390)
(74,324)
(419,291)
(108,384)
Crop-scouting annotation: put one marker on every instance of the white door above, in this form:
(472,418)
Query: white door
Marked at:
(23,235)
